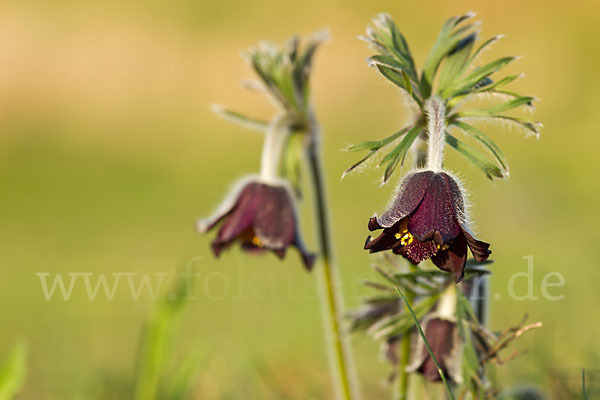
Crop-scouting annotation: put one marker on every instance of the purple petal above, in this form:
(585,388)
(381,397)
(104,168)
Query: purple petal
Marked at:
(436,212)
(440,334)
(454,259)
(408,197)
(275,219)
(456,197)
(308,258)
(480,249)
(241,217)
(225,208)
(384,241)
(417,251)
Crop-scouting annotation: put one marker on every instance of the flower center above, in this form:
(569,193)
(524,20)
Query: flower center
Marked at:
(406,238)
(403,235)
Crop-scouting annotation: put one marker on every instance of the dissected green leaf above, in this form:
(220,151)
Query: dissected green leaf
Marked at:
(447,40)
(391,74)
(377,144)
(527,123)
(499,108)
(502,82)
(402,323)
(391,167)
(358,163)
(456,62)
(398,154)
(483,46)
(241,119)
(386,61)
(285,71)
(485,141)
(489,168)
(389,39)
(302,66)
(474,77)
(261,69)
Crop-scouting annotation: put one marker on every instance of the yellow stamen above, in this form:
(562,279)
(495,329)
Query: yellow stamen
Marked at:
(404,237)
(257,242)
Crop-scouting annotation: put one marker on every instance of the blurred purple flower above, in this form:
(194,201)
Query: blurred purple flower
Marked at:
(427,220)
(442,336)
(260,217)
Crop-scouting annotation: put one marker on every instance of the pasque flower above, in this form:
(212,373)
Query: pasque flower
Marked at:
(427,220)
(260,216)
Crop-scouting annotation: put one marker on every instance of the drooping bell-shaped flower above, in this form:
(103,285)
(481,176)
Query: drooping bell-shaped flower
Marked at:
(427,220)
(260,216)
(442,336)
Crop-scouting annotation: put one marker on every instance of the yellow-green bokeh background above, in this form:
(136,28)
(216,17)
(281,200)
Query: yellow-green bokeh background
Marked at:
(109,153)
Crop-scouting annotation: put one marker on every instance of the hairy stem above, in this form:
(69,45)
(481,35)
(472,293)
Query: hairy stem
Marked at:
(275,138)
(436,117)
(342,367)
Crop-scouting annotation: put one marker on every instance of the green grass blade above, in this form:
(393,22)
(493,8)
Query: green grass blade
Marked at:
(13,372)
(584,391)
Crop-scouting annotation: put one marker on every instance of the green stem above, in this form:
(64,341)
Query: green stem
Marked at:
(437,365)
(330,298)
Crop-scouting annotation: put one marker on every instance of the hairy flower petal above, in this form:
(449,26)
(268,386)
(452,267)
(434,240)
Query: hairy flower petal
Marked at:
(427,220)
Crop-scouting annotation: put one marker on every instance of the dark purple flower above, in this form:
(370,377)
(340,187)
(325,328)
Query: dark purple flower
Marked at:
(260,217)
(427,220)
(443,339)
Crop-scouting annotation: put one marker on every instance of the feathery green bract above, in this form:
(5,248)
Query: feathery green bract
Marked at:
(285,71)
(475,156)
(398,154)
(13,372)
(283,74)
(451,73)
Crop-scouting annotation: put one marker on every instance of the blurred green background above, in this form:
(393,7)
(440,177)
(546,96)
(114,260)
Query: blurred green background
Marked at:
(109,153)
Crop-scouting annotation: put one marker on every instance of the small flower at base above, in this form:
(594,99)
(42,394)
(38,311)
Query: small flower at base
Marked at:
(442,336)
(260,217)
(426,221)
